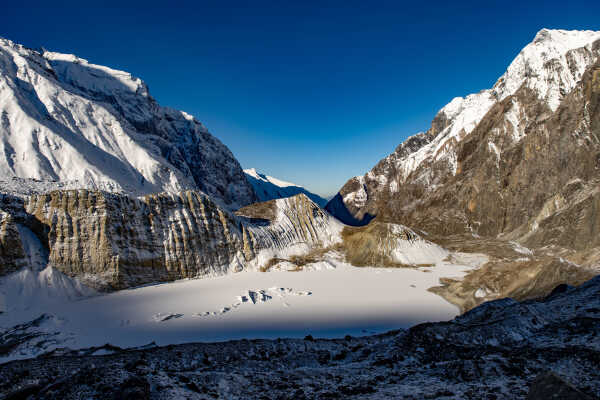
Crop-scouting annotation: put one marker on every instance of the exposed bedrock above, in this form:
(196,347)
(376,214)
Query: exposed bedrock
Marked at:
(113,241)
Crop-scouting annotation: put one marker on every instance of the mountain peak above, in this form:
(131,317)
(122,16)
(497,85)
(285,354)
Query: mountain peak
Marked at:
(569,38)
(551,64)
(269,188)
(68,123)
(548,69)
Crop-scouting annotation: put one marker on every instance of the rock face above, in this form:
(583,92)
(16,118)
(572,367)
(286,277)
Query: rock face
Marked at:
(113,241)
(288,227)
(69,124)
(551,386)
(506,161)
(11,250)
(494,351)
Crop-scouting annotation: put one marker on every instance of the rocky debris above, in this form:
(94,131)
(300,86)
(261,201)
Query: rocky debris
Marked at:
(510,273)
(389,245)
(38,333)
(494,351)
(548,386)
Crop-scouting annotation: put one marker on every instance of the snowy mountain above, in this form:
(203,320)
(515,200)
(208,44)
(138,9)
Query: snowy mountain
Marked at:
(548,69)
(66,123)
(512,169)
(269,188)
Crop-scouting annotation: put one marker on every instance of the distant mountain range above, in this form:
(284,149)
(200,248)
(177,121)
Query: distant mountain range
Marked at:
(269,188)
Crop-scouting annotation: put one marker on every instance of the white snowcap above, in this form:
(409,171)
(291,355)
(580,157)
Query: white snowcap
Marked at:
(71,71)
(531,66)
(266,178)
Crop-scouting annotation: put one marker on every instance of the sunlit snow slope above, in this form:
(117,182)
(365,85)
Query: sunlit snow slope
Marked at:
(72,124)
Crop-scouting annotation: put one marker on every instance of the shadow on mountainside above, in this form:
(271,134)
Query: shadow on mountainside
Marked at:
(338,209)
(268,191)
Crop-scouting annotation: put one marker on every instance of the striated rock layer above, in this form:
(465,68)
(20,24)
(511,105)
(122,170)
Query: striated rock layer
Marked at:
(12,255)
(112,241)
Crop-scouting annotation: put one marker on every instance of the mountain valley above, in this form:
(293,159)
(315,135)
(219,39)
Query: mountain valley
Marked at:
(128,233)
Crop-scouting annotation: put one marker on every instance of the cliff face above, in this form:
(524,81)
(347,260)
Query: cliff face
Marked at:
(12,254)
(287,227)
(113,241)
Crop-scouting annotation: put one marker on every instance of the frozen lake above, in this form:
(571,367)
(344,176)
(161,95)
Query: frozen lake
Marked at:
(330,299)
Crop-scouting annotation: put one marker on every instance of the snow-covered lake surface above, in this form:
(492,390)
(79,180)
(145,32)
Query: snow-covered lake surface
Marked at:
(330,299)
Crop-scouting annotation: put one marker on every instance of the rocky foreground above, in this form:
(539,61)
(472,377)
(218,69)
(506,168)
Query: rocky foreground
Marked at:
(500,350)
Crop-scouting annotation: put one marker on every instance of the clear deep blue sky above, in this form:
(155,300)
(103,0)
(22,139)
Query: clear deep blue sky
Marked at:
(311,92)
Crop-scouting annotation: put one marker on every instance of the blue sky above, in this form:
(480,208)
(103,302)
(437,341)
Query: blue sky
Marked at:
(310,92)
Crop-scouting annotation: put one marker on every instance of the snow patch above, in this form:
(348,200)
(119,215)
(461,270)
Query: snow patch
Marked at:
(30,290)
(520,249)
(130,318)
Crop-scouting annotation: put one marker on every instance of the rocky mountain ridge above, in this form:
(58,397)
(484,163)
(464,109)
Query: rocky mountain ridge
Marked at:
(544,72)
(517,164)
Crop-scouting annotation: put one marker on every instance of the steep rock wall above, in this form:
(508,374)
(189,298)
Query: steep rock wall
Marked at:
(113,241)
(117,241)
